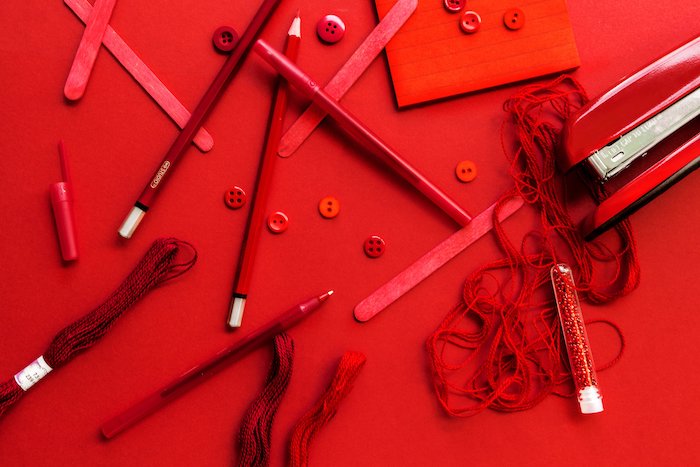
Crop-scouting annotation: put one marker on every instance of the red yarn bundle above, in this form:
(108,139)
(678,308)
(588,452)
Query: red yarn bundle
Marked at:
(325,409)
(501,347)
(256,429)
(157,266)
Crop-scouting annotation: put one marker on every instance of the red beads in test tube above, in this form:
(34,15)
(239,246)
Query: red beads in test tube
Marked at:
(576,340)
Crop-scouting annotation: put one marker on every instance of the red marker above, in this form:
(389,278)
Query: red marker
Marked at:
(200,373)
(357,130)
(228,70)
(62,204)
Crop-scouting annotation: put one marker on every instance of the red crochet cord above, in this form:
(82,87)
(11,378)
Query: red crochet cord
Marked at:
(157,266)
(255,435)
(501,347)
(325,408)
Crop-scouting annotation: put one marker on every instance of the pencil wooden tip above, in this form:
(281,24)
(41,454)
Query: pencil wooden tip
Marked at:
(295,28)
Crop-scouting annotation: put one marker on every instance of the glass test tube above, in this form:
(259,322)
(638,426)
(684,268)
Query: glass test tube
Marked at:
(576,340)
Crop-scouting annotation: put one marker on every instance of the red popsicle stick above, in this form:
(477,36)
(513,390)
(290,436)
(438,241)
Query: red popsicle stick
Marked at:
(348,74)
(143,75)
(87,49)
(431,261)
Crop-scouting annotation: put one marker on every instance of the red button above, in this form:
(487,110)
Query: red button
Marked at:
(225,39)
(277,222)
(330,29)
(329,207)
(514,19)
(455,6)
(235,197)
(374,246)
(466,171)
(470,22)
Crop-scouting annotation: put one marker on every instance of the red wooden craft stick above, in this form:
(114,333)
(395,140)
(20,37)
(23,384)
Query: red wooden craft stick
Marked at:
(143,75)
(206,104)
(348,74)
(87,49)
(256,215)
(431,261)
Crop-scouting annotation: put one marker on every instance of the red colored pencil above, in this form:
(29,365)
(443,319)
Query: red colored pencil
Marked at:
(200,373)
(257,211)
(184,138)
(354,128)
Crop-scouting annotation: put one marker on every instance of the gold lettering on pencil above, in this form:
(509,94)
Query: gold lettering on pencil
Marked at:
(163,168)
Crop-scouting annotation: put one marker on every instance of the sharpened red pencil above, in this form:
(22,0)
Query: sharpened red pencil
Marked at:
(257,211)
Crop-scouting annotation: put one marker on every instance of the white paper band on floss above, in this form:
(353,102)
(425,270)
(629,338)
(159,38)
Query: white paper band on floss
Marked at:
(32,373)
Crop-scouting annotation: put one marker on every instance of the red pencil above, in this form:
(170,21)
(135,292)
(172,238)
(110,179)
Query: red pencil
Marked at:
(356,129)
(200,373)
(262,189)
(184,138)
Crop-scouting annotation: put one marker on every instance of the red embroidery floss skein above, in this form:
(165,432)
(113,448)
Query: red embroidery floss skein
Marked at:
(325,408)
(255,436)
(501,346)
(160,263)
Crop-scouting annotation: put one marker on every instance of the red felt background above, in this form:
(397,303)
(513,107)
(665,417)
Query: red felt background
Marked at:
(116,136)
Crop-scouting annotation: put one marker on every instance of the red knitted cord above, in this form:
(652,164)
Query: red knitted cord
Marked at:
(501,347)
(325,408)
(157,266)
(255,435)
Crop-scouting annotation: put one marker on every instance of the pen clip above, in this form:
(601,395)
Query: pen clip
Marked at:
(63,158)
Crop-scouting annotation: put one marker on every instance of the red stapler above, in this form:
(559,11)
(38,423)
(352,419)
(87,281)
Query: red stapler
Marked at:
(649,120)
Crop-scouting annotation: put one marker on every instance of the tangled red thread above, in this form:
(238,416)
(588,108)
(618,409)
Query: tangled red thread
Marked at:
(501,346)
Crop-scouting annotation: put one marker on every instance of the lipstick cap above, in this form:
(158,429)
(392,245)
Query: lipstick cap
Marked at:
(62,205)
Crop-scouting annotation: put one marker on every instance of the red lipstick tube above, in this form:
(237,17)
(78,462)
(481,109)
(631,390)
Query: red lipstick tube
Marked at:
(61,194)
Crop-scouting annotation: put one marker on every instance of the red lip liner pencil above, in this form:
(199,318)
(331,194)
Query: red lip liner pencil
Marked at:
(262,189)
(200,373)
(356,129)
(184,138)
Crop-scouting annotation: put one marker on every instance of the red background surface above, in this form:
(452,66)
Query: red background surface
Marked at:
(116,136)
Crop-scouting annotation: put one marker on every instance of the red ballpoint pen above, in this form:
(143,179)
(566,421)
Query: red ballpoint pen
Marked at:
(184,138)
(262,189)
(200,373)
(356,129)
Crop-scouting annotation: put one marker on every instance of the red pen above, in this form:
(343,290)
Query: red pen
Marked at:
(61,194)
(262,189)
(199,373)
(184,138)
(356,129)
